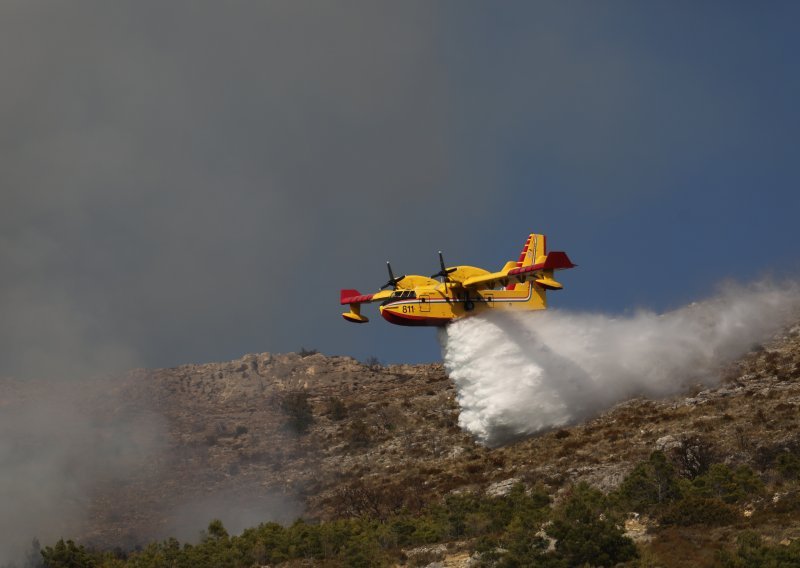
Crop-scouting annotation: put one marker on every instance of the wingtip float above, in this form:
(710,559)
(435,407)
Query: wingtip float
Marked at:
(464,290)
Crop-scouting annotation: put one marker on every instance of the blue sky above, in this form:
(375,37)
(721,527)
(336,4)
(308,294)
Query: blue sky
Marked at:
(192,182)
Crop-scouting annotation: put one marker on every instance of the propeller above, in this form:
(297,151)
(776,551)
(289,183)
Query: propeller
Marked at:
(444,271)
(392,280)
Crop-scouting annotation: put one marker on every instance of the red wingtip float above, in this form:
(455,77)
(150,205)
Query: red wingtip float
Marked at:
(464,290)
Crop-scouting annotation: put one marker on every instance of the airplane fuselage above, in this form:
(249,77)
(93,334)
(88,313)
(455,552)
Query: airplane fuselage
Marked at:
(435,306)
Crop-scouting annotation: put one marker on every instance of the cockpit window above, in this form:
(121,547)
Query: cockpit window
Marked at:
(404,294)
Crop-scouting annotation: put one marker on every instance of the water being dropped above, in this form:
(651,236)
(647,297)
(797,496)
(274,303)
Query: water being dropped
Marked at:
(519,373)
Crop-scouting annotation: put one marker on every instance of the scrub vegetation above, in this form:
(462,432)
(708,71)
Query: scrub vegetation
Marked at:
(522,527)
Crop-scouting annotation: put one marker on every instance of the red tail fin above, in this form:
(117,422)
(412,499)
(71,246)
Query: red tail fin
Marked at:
(535,248)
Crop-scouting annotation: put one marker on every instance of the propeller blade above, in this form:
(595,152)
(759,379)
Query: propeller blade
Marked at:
(392,280)
(444,271)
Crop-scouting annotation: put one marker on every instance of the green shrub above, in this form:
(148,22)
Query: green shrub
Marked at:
(697,510)
(753,553)
(524,548)
(66,554)
(586,532)
(730,485)
(651,483)
(788,465)
(471,515)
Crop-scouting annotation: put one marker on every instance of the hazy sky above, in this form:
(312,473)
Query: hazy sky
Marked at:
(192,181)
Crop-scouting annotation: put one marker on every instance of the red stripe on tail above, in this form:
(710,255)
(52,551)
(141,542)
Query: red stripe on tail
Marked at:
(354,297)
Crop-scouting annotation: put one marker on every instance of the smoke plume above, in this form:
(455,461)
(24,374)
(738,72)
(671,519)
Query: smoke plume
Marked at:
(60,439)
(519,374)
(238,510)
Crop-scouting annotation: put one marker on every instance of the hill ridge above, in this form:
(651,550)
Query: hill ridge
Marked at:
(274,436)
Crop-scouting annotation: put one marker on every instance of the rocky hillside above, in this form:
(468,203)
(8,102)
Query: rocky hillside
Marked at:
(275,436)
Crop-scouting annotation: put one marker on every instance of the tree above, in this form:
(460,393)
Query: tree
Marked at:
(216,531)
(754,553)
(298,411)
(525,548)
(650,483)
(730,485)
(67,555)
(586,535)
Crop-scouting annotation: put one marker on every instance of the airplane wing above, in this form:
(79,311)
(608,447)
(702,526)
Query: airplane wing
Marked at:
(555,260)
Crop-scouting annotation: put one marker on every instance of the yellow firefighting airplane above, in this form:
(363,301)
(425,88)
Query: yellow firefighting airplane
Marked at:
(464,290)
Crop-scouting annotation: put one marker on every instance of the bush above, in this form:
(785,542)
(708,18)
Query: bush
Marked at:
(358,434)
(524,548)
(67,555)
(337,409)
(788,465)
(373,362)
(470,515)
(753,553)
(298,411)
(694,456)
(586,535)
(729,485)
(697,510)
(651,483)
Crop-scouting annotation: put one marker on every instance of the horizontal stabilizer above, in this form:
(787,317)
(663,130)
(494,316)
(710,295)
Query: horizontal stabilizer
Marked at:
(354,297)
(555,260)
(549,283)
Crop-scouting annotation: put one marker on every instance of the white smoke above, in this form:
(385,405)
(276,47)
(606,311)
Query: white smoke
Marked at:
(517,374)
(59,440)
